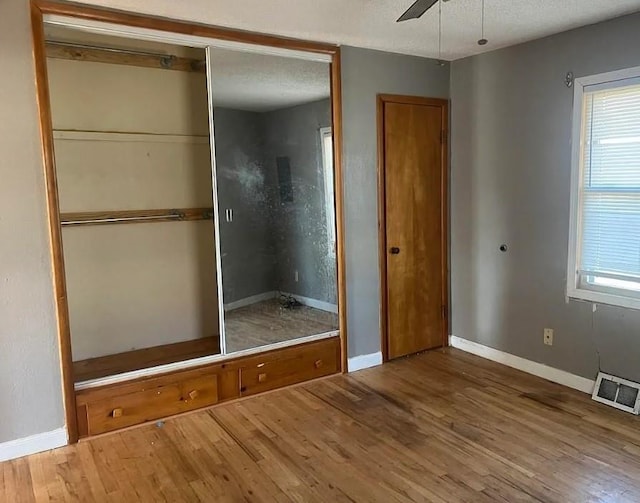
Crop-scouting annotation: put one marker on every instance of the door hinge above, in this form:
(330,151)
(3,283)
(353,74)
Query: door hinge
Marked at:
(443,136)
(445,312)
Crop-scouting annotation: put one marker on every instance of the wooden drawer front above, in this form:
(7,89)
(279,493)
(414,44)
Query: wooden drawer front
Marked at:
(290,366)
(136,408)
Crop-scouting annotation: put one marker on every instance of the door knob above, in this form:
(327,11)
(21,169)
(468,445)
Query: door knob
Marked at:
(394,250)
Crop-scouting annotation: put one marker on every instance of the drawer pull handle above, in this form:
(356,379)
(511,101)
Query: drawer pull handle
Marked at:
(262,377)
(318,364)
(117,412)
(193,394)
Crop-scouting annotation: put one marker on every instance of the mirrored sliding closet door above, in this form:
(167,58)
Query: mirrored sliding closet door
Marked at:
(275,194)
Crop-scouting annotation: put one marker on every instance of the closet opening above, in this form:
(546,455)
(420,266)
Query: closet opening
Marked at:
(195,202)
(133,163)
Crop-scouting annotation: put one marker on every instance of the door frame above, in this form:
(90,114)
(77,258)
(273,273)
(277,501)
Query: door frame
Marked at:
(382,99)
(41,8)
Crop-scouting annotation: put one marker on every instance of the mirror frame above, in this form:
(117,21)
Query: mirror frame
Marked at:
(40,8)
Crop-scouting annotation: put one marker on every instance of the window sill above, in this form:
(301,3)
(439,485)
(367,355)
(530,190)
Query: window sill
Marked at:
(609,299)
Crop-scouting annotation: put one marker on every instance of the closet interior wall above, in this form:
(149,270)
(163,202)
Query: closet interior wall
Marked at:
(129,138)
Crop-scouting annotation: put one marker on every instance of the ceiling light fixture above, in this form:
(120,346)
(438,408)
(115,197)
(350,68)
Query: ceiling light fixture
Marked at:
(482,41)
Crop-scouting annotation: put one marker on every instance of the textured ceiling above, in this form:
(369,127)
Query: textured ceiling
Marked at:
(371,23)
(261,83)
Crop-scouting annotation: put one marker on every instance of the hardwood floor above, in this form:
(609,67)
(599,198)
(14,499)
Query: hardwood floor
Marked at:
(441,427)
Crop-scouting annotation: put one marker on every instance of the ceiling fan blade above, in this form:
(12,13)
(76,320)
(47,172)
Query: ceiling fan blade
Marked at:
(418,8)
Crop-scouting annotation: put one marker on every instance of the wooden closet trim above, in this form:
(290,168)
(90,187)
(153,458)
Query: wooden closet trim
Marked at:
(382,217)
(55,233)
(39,8)
(336,115)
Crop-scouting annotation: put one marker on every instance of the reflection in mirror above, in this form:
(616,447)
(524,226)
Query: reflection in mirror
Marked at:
(131,139)
(274,163)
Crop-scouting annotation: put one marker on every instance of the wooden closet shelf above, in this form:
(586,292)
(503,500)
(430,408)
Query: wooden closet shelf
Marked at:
(103,366)
(135,216)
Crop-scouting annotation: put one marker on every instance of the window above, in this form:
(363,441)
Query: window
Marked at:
(326,140)
(604,251)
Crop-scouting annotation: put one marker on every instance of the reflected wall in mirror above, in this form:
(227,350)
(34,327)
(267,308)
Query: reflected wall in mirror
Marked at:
(131,137)
(274,165)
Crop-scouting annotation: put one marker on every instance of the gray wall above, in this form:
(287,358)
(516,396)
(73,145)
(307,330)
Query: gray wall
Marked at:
(300,229)
(510,171)
(366,73)
(246,186)
(30,389)
(510,182)
(268,239)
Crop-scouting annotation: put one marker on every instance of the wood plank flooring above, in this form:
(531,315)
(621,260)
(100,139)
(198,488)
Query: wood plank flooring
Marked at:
(437,427)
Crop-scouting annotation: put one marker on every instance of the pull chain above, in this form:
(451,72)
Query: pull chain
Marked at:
(482,41)
(440,60)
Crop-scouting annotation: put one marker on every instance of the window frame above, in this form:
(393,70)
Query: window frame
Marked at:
(575,288)
(329,195)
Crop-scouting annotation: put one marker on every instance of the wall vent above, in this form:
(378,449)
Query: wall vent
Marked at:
(617,392)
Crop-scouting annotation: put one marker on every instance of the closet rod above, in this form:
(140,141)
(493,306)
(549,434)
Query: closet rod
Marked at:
(135,216)
(74,45)
(132,57)
(117,220)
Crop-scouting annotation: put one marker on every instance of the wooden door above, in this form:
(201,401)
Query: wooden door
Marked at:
(413,233)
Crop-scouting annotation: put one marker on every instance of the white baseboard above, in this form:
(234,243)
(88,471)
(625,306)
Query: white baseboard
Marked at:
(364,361)
(247,301)
(306,301)
(537,369)
(315,303)
(33,444)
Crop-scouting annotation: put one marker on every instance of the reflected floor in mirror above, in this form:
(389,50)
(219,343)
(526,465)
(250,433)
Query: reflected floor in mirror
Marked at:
(269,322)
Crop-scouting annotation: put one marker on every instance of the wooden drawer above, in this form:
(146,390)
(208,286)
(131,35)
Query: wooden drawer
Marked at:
(114,406)
(290,366)
(156,402)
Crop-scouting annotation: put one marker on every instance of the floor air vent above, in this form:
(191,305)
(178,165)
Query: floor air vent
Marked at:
(617,392)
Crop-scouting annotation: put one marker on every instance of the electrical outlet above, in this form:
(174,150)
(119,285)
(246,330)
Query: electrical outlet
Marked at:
(548,336)
(295,275)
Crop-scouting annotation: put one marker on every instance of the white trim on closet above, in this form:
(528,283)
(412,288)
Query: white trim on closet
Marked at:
(167,37)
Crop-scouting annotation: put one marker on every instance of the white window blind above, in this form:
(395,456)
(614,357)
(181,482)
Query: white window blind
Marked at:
(608,257)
